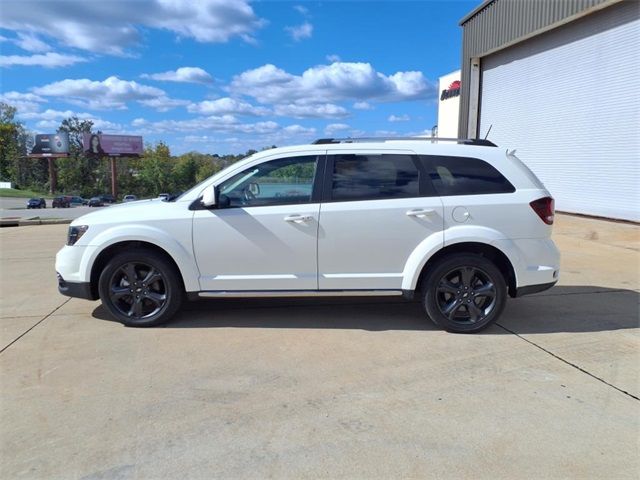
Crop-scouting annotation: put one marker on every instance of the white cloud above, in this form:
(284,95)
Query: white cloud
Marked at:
(24,102)
(399,118)
(327,110)
(163,103)
(111,26)
(333,128)
(300,32)
(31,43)
(227,105)
(299,130)
(301,9)
(51,114)
(50,119)
(111,93)
(49,60)
(362,106)
(333,58)
(226,128)
(250,138)
(330,83)
(182,74)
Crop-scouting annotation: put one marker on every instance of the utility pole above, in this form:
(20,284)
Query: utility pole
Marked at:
(53,177)
(114,177)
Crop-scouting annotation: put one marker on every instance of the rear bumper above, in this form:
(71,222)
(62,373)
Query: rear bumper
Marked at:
(75,289)
(529,289)
(536,262)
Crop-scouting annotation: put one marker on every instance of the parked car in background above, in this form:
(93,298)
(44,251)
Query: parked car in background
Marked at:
(60,202)
(36,203)
(96,202)
(107,198)
(76,201)
(460,226)
(129,198)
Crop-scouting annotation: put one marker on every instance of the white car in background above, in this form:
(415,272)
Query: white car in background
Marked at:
(458,224)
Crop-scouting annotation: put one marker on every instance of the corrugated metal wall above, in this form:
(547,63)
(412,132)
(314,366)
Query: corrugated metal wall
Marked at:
(501,22)
(568,102)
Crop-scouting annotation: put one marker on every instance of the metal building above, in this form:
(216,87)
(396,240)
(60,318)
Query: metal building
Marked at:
(559,80)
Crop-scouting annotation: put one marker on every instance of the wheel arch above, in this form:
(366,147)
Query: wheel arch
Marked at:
(109,252)
(492,253)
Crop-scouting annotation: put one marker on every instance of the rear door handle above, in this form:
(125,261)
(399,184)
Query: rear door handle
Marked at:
(298,218)
(420,212)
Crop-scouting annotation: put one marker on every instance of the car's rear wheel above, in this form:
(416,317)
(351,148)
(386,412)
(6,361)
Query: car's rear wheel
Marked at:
(141,288)
(464,293)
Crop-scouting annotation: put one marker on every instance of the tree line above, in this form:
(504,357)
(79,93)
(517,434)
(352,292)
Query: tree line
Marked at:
(156,171)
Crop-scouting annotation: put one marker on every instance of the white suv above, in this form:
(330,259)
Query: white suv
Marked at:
(459,224)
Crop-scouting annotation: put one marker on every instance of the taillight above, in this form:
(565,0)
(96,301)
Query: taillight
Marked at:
(545,208)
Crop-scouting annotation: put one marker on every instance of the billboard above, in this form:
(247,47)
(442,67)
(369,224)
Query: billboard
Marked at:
(51,145)
(99,145)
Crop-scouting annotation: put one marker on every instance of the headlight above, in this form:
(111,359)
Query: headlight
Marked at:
(75,233)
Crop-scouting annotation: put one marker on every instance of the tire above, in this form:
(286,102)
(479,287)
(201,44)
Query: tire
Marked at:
(464,293)
(140,303)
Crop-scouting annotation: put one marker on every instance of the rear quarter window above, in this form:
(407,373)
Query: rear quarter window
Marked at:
(465,176)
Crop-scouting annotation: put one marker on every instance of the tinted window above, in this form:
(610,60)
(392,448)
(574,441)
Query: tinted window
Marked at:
(278,182)
(369,177)
(465,176)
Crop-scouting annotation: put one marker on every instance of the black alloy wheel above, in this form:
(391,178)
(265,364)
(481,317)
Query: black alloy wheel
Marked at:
(464,293)
(137,290)
(141,288)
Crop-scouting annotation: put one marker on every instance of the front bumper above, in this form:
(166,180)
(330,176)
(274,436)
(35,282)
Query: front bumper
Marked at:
(73,275)
(76,289)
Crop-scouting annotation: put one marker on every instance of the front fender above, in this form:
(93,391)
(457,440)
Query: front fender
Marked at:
(179,249)
(454,235)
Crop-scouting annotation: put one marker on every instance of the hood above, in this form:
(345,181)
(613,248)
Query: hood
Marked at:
(126,212)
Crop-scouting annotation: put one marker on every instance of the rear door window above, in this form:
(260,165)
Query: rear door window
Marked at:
(465,176)
(373,177)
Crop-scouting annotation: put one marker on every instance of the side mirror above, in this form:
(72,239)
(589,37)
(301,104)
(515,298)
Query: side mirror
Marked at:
(209,196)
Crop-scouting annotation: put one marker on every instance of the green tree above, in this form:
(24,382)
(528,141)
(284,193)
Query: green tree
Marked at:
(156,168)
(14,141)
(185,170)
(78,174)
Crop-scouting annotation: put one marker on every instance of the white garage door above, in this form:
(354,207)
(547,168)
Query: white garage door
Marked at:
(569,101)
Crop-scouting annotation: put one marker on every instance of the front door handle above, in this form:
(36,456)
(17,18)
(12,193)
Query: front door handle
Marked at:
(420,212)
(298,218)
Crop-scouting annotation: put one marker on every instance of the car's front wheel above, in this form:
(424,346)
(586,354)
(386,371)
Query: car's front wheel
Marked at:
(464,293)
(141,288)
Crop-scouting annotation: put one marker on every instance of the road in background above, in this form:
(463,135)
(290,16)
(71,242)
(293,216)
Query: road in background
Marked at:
(15,207)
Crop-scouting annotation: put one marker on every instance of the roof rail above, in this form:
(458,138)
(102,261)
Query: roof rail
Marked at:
(466,141)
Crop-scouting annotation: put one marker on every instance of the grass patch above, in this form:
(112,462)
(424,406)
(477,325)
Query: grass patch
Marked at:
(12,192)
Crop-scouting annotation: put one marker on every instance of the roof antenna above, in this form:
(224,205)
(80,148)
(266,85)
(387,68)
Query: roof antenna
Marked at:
(485,137)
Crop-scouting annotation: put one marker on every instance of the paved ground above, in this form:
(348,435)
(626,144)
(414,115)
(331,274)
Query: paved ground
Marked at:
(15,207)
(334,389)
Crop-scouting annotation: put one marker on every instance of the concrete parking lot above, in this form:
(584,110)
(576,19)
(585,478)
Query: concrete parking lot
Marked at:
(344,388)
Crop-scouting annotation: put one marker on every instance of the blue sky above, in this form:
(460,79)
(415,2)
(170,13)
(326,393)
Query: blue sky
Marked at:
(224,76)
